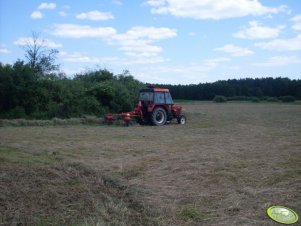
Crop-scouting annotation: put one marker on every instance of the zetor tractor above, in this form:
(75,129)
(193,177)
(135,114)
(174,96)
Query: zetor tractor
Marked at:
(155,107)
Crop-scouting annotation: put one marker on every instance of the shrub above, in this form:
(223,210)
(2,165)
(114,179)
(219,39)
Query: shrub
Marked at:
(220,99)
(90,120)
(239,98)
(17,112)
(255,100)
(272,99)
(287,98)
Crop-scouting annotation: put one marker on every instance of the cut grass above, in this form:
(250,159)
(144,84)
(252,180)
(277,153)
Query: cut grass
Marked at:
(192,213)
(12,155)
(87,120)
(65,194)
(226,166)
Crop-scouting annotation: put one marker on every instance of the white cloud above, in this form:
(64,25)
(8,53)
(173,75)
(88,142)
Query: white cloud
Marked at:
(269,16)
(117,2)
(212,9)
(293,44)
(235,50)
(141,50)
(63,13)
(193,69)
(256,31)
(133,60)
(212,63)
(147,33)
(156,2)
(138,41)
(82,31)
(23,41)
(36,15)
(4,50)
(95,15)
(46,5)
(142,60)
(172,74)
(77,57)
(185,74)
(297,22)
(279,61)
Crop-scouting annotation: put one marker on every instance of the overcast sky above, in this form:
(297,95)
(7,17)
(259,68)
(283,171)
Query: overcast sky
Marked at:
(161,41)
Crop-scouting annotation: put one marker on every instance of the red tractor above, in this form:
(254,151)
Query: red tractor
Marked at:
(155,107)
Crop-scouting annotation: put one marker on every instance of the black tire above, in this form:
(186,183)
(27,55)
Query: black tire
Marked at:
(181,119)
(159,117)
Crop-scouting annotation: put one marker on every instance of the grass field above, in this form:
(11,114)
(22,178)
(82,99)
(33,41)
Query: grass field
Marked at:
(226,166)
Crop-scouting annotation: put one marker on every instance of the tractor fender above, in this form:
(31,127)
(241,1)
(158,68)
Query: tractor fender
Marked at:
(176,110)
(153,107)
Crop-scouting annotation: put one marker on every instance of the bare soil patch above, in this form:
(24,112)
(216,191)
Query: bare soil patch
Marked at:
(226,166)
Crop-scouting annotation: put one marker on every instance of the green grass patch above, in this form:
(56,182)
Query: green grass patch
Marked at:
(193,102)
(121,137)
(192,213)
(6,150)
(183,101)
(12,155)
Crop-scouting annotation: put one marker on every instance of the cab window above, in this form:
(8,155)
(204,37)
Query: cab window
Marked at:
(168,98)
(159,98)
(146,96)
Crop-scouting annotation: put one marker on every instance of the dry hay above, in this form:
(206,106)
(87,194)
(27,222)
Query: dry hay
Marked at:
(225,167)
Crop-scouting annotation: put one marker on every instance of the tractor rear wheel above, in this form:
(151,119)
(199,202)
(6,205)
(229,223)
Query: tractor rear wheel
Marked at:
(159,117)
(181,119)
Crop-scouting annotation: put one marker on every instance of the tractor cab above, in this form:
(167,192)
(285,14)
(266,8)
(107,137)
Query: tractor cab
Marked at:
(155,96)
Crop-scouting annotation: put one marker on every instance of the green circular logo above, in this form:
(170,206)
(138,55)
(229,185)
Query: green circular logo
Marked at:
(282,214)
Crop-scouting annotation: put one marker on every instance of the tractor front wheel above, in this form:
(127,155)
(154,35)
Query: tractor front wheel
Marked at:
(181,119)
(159,117)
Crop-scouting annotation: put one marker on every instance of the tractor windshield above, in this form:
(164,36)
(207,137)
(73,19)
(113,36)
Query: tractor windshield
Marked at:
(146,96)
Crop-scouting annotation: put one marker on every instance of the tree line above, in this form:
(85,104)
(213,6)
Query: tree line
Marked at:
(24,93)
(238,89)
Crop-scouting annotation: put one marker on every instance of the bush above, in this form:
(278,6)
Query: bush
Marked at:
(272,99)
(17,112)
(287,98)
(255,100)
(239,98)
(220,99)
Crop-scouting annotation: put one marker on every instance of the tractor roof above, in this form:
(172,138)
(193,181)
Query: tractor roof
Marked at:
(154,90)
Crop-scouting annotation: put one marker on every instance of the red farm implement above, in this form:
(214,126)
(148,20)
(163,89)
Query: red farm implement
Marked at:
(155,107)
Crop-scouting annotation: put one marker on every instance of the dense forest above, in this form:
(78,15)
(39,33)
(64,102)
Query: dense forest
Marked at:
(241,89)
(35,88)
